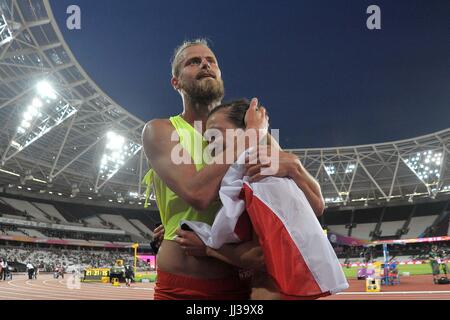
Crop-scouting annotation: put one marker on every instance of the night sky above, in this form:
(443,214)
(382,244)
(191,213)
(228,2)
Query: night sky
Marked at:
(325,79)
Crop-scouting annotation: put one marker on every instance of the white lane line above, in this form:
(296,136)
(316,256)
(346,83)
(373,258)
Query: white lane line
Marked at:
(393,292)
(85,293)
(89,290)
(108,289)
(42,290)
(19,290)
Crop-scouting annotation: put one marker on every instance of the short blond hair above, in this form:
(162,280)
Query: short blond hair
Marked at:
(176,59)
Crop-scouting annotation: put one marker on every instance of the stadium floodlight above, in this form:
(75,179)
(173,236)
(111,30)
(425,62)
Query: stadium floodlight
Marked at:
(6,35)
(426,165)
(134,195)
(334,200)
(75,190)
(10,173)
(350,168)
(118,150)
(46,91)
(330,169)
(41,113)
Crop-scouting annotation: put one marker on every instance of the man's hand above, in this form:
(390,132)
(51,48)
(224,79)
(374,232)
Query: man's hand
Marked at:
(286,163)
(191,243)
(158,235)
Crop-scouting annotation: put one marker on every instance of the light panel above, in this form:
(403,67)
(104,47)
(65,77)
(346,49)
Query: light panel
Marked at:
(334,200)
(118,150)
(42,112)
(426,165)
(350,168)
(331,169)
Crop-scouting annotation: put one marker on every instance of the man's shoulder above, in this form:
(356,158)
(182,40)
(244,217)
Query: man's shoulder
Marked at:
(158,124)
(157,127)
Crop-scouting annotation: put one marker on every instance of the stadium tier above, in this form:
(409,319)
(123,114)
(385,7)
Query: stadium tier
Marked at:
(17,219)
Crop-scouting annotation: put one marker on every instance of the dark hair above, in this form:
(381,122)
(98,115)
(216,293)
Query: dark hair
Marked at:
(235,111)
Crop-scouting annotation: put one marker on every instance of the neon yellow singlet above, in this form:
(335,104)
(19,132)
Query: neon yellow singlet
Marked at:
(172,208)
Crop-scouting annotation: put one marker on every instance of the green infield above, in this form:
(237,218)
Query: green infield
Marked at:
(414,270)
(149,276)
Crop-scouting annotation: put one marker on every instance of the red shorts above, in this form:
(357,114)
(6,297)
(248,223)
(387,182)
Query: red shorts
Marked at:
(175,287)
(315,297)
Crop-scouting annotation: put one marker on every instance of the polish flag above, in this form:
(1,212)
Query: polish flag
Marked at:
(297,253)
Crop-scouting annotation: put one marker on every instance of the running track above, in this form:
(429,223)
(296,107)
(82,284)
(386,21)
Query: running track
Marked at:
(410,288)
(48,288)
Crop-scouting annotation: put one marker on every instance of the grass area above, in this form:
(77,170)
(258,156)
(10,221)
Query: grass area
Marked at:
(416,269)
(151,276)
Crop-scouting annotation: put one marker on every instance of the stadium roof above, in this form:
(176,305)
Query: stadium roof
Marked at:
(59,131)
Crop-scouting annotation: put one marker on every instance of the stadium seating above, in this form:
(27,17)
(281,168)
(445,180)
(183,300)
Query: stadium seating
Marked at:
(138,224)
(121,223)
(363,230)
(49,259)
(94,222)
(7,209)
(27,207)
(51,211)
(339,229)
(32,233)
(418,225)
(390,228)
(16,233)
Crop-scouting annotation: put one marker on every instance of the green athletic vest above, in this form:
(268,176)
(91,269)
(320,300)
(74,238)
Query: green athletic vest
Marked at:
(171,207)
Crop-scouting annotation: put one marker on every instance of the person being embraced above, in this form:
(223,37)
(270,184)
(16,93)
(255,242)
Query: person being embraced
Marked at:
(266,225)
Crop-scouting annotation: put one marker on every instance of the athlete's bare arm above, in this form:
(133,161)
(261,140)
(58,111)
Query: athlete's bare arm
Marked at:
(246,255)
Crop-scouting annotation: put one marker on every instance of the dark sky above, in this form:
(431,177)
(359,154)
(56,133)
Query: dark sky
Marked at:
(324,77)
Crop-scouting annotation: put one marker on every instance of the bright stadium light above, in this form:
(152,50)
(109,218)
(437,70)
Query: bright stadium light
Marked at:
(334,200)
(330,169)
(350,168)
(40,114)
(134,195)
(118,150)
(46,91)
(426,165)
(75,190)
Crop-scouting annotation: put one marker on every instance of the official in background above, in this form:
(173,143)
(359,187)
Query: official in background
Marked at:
(30,269)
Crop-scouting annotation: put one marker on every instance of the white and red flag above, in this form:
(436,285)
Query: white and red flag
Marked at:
(297,253)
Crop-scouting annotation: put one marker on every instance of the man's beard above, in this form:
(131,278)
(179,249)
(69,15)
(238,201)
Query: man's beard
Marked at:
(204,91)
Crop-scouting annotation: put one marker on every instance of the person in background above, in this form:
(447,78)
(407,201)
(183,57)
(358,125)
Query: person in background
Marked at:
(30,269)
(4,269)
(129,275)
(36,271)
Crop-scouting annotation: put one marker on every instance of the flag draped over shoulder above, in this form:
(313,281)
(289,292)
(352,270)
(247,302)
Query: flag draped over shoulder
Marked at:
(297,253)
